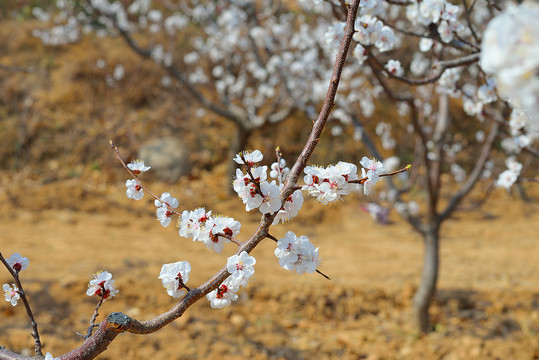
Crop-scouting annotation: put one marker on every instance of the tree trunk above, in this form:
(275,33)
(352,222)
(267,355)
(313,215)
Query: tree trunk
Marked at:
(237,144)
(429,278)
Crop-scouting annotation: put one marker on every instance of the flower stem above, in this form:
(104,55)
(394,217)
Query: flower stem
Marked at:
(35,333)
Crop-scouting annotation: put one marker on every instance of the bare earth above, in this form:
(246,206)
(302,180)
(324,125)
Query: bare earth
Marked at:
(487,305)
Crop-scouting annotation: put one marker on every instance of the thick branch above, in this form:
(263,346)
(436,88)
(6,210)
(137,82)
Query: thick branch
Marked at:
(329,102)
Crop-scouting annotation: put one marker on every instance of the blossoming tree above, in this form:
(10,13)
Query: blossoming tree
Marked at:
(269,84)
(253,64)
(457,91)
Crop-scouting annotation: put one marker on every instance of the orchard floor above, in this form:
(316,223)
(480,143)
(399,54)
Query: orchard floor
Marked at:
(487,306)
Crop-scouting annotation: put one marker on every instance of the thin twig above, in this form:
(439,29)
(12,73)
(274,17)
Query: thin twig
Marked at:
(253,180)
(140,182)
(362,180)
(22,293)
(94,316)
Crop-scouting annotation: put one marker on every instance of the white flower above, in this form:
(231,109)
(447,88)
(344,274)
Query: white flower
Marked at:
(374,168)
(192,223)
(445,31)
(271,201)
(164,208)
(510,51)
(334,33)
(241,267)
(48,356)
(216,232)
(329,184)
(297,253)
(17,262)
(137,166)
(227,226)
(367,184)
(517,122)
(450,12)
(10,295)
(134,190)
(386,39)
(368,4)
(394,67)
(279,170)
(246,188)
(506,179)
(224,294)
(360,54)
(513,165)
(290,208)
(425,44)
(118,75)
(102,285)
(252,157)
(173,276)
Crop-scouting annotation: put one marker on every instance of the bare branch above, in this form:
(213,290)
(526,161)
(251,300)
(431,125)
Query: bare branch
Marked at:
(474,176)
(440,67)
(176,73)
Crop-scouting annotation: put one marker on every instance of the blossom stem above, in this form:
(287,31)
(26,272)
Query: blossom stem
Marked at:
(269,236)
(183,285)
(324,275)
(362,180)
(35,333)
(174,211)
(230,238)
(94,316)
(257,183)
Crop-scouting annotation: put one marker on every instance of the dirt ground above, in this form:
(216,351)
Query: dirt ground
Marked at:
(487,306)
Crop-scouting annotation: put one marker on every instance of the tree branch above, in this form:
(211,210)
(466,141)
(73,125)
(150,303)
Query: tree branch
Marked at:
(474,176)
(172,70)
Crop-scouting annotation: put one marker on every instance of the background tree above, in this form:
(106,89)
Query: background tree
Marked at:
(445,102)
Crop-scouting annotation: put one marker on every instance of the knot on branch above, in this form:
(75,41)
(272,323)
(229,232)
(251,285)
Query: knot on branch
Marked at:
(120,322)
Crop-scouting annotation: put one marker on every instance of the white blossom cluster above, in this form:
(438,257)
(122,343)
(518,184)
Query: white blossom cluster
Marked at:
(174,276)
(297,253)
(213,231)
(241,269)
(256,192)
(17,263)
(510,51)
(102,285)
(507,178)
(331,183)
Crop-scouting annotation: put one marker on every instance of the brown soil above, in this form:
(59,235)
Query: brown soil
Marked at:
(62,207)
(487,306)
